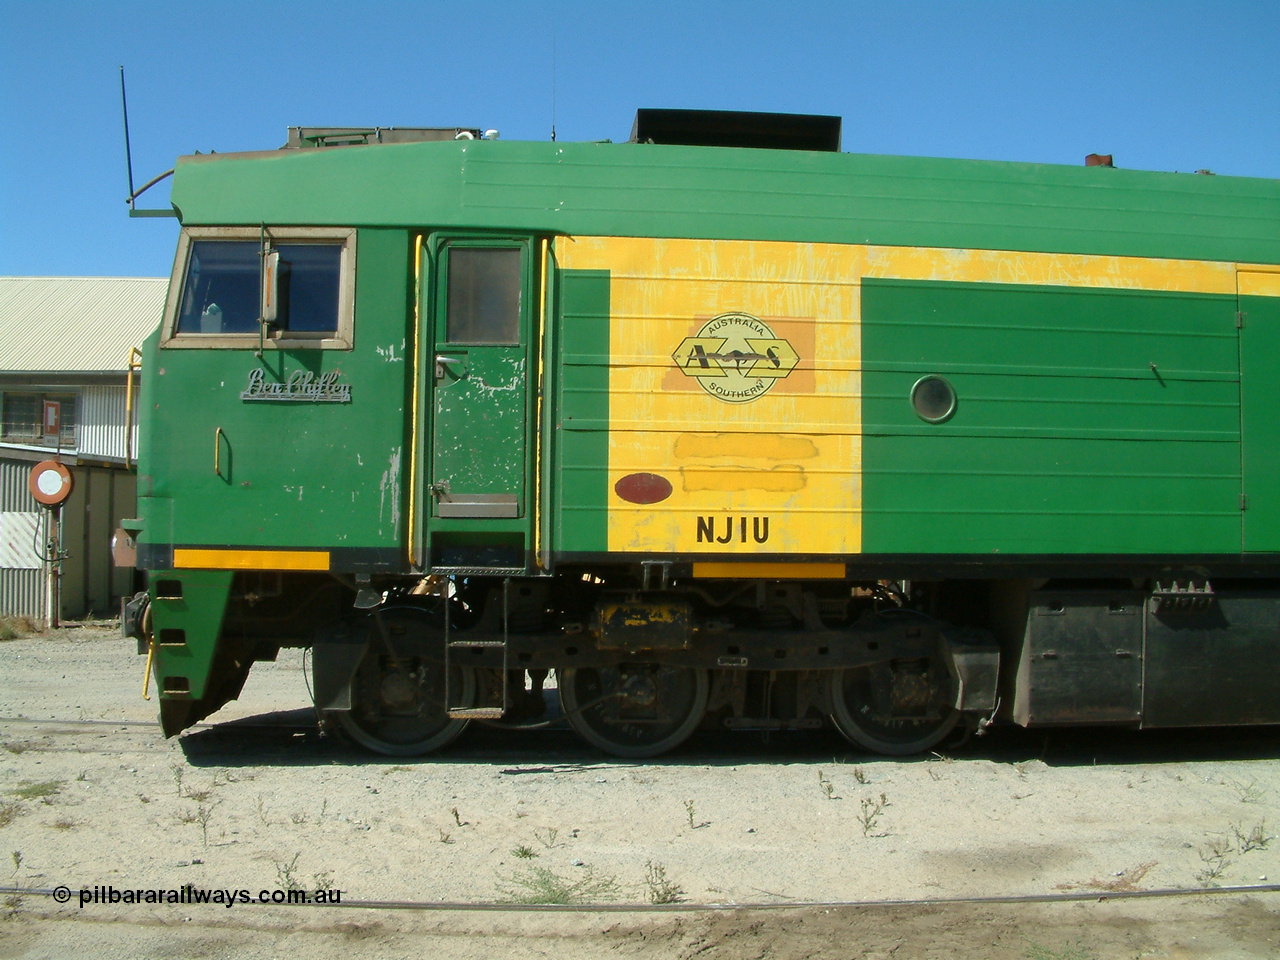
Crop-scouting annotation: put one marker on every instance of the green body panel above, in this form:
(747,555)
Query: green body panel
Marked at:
(649,190)
(289,474)
(1260,376)
(198,614)
(1064,439)
(582,414)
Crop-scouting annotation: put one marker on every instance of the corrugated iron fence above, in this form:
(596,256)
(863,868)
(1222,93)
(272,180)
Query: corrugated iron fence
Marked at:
(91,585)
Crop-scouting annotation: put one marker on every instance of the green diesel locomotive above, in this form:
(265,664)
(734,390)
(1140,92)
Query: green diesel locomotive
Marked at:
(722,426)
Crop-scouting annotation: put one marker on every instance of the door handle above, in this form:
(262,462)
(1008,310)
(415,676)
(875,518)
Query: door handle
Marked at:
(443,365)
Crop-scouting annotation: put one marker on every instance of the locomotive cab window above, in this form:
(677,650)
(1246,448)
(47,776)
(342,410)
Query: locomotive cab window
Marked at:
(237,287)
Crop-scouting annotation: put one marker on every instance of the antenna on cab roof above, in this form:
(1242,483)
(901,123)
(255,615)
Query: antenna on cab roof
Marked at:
(128,162)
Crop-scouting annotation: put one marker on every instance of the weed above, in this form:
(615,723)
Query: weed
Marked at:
(524,852)
(1072,951)
(187,816)
(535,884)
(285,873)
(177,771)
(457,818)
(9,812)
(1250,792)
(1214,856)
(869,814)
(445,836)
(860,775)
(65,823)
(298,818)
(262,812)
(547,837)
(323,880)
(688,809)
(828,788)
(33,790)
(13,628)
(1125,880)
(1255,838)
(660,889)
(82,776)
(16,748)
(203,816)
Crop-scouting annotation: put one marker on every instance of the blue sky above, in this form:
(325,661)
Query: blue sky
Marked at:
(1162,86)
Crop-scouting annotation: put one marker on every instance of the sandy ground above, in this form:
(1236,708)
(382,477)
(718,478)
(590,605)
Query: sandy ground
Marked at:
(257,800)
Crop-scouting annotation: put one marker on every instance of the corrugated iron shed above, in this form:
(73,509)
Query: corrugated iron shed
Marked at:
(76,324)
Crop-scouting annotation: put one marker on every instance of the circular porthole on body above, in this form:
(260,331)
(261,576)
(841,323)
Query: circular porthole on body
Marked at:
(934,399)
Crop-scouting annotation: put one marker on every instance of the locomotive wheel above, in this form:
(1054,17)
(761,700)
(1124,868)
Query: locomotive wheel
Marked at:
(895,709)
(398,695)
(635,710)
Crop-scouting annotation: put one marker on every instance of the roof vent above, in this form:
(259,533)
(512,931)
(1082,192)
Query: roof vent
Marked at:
(1098,160)
(725,128)
(304,137)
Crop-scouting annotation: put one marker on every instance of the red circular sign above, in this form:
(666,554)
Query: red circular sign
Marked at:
(49,482)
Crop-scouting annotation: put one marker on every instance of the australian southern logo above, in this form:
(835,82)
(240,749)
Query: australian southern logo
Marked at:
(735,357)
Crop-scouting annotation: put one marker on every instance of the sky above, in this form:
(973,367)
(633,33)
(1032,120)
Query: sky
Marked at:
(1175,86)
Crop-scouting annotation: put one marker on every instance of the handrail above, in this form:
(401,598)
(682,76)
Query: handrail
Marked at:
(135,363)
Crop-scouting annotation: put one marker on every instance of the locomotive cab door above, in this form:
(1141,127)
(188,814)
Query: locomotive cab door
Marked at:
(476,372)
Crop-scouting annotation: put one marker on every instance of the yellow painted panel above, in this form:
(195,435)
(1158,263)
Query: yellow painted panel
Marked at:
(735,374)
(1258,283)
(188,559)
(770,571)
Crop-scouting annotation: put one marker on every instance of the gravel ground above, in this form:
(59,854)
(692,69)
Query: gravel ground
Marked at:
(257,800)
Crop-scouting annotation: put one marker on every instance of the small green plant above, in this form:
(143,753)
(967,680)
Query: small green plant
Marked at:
(1253,838)
(299,818)
(870,810)
(65,823)
(688,809)
(445,835)
(177,772)
(285,875)
(659,888)
(82,776)
(535,884)
(1072,951)
(187,815)
(323,880)
(524,852)
(828,788)
(31,790)
(547,836)
(457,817)
(860,775)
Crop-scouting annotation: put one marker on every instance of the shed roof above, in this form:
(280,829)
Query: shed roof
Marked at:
(76,324)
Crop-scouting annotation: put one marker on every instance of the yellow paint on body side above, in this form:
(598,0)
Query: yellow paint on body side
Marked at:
(768,571)
(778,473)
(780,470)
(1259,282)
(192,559)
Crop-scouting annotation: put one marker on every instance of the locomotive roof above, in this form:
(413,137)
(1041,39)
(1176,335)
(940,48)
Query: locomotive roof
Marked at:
(654,190)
